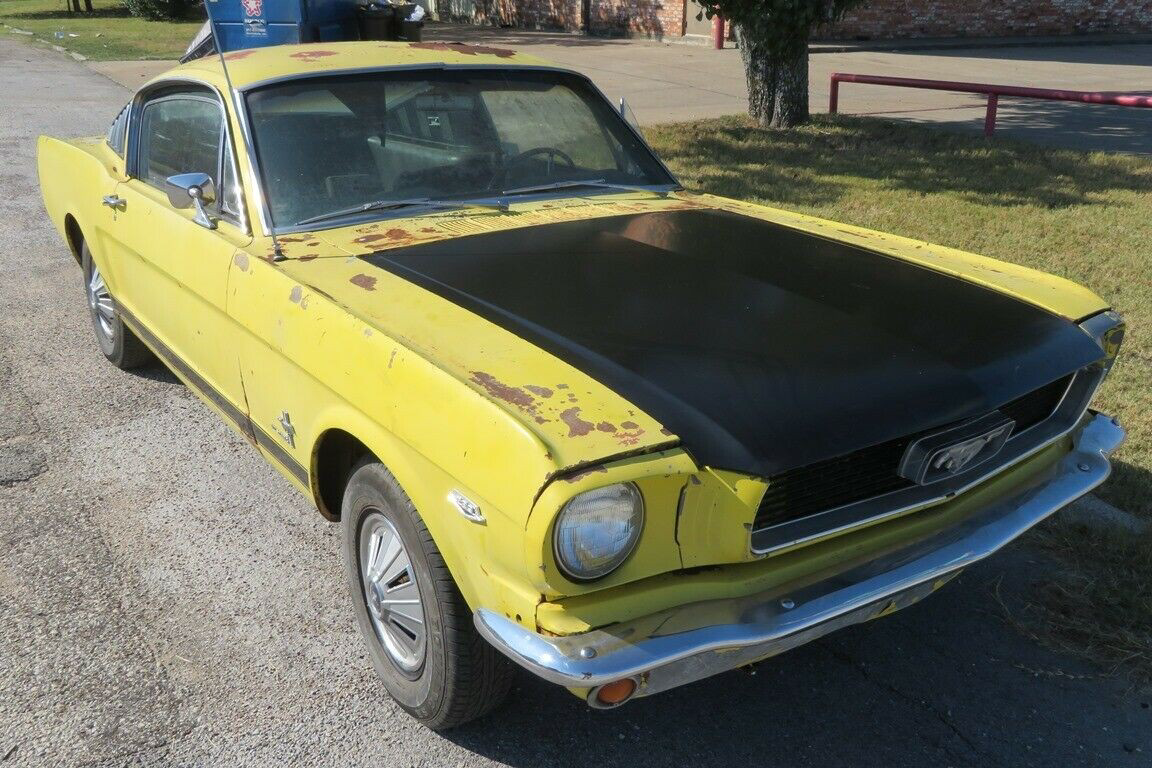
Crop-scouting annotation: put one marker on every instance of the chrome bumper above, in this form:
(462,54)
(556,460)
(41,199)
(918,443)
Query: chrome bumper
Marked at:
(695,641)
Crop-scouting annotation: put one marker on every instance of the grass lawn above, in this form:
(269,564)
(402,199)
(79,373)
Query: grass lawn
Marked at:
(109,33)
(1079,215)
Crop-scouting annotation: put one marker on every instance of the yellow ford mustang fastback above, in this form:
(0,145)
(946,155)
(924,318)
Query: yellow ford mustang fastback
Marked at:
(568,414)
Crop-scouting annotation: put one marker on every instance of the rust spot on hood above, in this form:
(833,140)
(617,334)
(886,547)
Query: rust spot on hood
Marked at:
(468,50)
(577,427)
(540,391)
(398,234)
(367,282)
(312,55)
(241,261)
(606,426)
(502,391)
(237,55)
(309,257)
(369,238)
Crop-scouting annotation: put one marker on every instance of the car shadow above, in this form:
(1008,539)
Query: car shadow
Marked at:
(945,682)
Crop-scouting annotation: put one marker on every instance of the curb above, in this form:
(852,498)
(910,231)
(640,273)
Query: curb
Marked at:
(54,46)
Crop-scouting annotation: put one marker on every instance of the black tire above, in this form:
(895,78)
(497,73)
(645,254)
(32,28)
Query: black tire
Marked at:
(122,348)
(461,677)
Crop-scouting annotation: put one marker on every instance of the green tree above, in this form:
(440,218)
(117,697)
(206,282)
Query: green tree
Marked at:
(773,39)
(168,10)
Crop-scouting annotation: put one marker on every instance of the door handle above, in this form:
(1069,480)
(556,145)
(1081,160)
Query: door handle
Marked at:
(114,202)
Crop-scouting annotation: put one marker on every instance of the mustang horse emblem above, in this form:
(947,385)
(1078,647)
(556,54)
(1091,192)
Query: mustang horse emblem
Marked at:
(956,457)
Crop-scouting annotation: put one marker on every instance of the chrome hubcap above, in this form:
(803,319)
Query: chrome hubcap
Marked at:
(100,302)
(391,592)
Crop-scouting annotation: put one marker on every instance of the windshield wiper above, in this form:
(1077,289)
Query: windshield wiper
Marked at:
(600,183)
(388,205)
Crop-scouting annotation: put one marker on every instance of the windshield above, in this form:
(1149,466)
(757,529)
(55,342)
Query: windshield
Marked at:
(329,144)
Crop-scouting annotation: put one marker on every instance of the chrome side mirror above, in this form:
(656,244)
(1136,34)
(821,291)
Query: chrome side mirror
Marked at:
(196,189)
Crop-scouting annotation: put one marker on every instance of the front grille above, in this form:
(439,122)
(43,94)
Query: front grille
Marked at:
(871,472)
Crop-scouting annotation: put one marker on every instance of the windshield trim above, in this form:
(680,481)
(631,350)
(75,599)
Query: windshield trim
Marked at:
(242,92)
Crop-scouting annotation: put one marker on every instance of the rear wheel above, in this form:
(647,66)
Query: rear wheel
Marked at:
(122,348)
(418,628)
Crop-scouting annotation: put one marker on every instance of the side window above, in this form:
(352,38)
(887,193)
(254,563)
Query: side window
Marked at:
(117,131)
(179,134)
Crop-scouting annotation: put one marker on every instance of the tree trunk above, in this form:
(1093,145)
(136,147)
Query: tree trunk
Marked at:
(777,80)
(88,5)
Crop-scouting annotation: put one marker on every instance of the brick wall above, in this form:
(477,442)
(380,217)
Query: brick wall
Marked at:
(615,18)
(638,18)
(990,18)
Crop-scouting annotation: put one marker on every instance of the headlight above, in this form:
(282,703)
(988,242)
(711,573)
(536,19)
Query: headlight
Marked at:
(597,530)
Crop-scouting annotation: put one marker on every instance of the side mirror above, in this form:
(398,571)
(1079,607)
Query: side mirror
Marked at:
(196,189)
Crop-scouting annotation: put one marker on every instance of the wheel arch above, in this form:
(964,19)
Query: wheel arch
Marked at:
(74,236)
(335,454)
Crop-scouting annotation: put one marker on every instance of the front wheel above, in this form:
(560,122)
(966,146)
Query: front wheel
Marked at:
(418,628)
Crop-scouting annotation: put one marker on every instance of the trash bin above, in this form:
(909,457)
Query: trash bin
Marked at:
(412,31)
(255,23)
(377,22)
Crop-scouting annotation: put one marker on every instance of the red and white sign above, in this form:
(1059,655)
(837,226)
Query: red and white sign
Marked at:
(252,7)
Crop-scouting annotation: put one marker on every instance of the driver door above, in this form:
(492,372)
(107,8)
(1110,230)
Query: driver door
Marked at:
(172,272)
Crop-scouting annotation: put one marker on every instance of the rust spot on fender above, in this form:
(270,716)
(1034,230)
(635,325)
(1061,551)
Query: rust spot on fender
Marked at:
(429,230)
(308,257)
(237,55)
(502,391)
(468,50)
(581,475)
(629,425)
(577,427)
(367,282)
(606,426)
(312,55)
(398,234)
(241,261)
(539,391)
(369,238)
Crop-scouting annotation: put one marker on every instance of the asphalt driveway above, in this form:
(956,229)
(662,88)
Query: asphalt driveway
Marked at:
(167,599)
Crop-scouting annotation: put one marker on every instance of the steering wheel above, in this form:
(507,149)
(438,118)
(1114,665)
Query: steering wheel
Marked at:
(552,153)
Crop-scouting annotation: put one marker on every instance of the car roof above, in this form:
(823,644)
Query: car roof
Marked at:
(255,65)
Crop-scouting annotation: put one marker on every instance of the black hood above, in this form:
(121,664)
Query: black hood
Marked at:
(761,347)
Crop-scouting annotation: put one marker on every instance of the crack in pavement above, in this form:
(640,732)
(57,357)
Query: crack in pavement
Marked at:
(985,757)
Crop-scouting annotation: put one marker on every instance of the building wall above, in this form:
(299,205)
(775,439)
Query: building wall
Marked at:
(990,18)
(614,18)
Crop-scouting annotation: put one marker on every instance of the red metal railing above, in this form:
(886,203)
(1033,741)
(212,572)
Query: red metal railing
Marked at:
(993,92)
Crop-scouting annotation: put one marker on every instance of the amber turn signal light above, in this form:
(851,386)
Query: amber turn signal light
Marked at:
(615,693)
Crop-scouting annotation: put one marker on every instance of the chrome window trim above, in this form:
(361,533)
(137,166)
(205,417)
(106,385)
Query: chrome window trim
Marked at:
(143,97)
(1063,418)
(241,111)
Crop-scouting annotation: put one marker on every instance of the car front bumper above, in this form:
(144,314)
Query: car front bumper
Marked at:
(695,641)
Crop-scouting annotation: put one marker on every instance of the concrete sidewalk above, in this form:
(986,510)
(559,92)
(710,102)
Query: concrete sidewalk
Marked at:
(668,82)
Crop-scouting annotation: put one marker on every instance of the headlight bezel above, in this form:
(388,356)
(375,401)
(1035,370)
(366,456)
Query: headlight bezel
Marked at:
(638,515)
